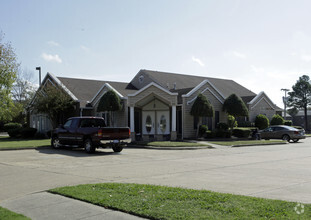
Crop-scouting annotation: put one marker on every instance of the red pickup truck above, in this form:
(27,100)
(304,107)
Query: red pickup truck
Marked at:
(90,133)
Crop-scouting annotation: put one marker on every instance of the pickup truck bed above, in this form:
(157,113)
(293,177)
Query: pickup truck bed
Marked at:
(90,133)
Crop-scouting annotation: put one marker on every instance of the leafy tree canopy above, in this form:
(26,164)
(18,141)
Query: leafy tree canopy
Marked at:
(110,101)
(234,105)
(300,97)
(292,111)
(52,101)
(8,70)
(202,107)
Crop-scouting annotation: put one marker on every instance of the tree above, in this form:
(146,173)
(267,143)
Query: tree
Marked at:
(292,111)
(201,108)
(8,70)
(54,102)
(109,102)
(235,106)
(300,97)
(23,91)
(23,88)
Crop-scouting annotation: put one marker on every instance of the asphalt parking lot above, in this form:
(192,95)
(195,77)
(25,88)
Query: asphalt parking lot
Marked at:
(274,171)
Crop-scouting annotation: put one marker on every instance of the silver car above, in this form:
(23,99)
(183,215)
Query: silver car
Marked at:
(283,132)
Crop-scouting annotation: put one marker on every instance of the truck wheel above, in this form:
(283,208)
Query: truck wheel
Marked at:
(88,146)
(55,143)
(117,148)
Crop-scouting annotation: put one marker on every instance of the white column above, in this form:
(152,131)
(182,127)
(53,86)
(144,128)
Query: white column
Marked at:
(173,117)
(132,124)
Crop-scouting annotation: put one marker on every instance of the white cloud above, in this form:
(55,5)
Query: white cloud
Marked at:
(84,48)
(234,53)
(306,58)
(53,43)
(257,69)
(51,58)
(198,61)
(239,55)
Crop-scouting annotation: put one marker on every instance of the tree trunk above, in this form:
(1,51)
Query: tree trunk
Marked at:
(306,118)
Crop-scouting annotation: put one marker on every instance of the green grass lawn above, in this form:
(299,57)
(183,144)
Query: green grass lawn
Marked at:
(6,214)
(160,202)
(11,143)
(174,144)
(248,142)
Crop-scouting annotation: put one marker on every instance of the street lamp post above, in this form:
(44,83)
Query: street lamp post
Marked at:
(39,68)
(285,100)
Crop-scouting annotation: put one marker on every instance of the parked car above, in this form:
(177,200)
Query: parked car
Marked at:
(90,133)
(283,132)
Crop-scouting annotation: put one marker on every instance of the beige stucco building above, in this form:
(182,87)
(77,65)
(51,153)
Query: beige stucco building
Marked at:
(156,105)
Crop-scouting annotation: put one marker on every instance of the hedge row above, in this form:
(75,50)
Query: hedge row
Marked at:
(10,126)
(22,132)
(241,132)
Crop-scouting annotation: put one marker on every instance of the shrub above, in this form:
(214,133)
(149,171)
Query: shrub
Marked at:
(15,132)
(202,130)
(277,120)
(40,135)
(231,121)
(261,121)
(241,133)
(246,124)
(210,134)
(222,133)
(10,126)
(222,126)
(288,122)
(28,132)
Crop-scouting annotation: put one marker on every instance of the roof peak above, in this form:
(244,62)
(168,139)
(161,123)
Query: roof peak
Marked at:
(182,74)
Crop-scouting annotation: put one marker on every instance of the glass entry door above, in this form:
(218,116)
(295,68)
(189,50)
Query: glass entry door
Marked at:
(148,122)
(163,122)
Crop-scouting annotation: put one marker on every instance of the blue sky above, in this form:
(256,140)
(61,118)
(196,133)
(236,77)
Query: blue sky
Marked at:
(263,45)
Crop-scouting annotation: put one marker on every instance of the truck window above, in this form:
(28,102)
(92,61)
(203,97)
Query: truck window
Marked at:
(100,123)
(92,122)
(68,124)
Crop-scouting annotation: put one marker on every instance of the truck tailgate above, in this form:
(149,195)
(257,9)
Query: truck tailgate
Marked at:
(110,133)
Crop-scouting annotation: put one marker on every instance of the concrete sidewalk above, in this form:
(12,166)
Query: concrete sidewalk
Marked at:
(47,206)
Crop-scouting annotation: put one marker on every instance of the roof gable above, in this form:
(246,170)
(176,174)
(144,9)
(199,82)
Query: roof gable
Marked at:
(262,96)
(85,89)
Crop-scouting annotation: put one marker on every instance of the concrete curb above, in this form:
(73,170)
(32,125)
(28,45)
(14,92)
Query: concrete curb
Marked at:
(26,148)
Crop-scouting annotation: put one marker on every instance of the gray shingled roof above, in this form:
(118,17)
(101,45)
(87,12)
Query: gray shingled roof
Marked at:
(85,89)
(225,86)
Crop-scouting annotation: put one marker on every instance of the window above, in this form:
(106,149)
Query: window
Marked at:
(92,122)
(68,124)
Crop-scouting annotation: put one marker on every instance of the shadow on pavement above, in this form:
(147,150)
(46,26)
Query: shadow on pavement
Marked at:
(76,152)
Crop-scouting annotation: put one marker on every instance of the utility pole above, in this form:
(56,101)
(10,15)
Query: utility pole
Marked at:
(285,101)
